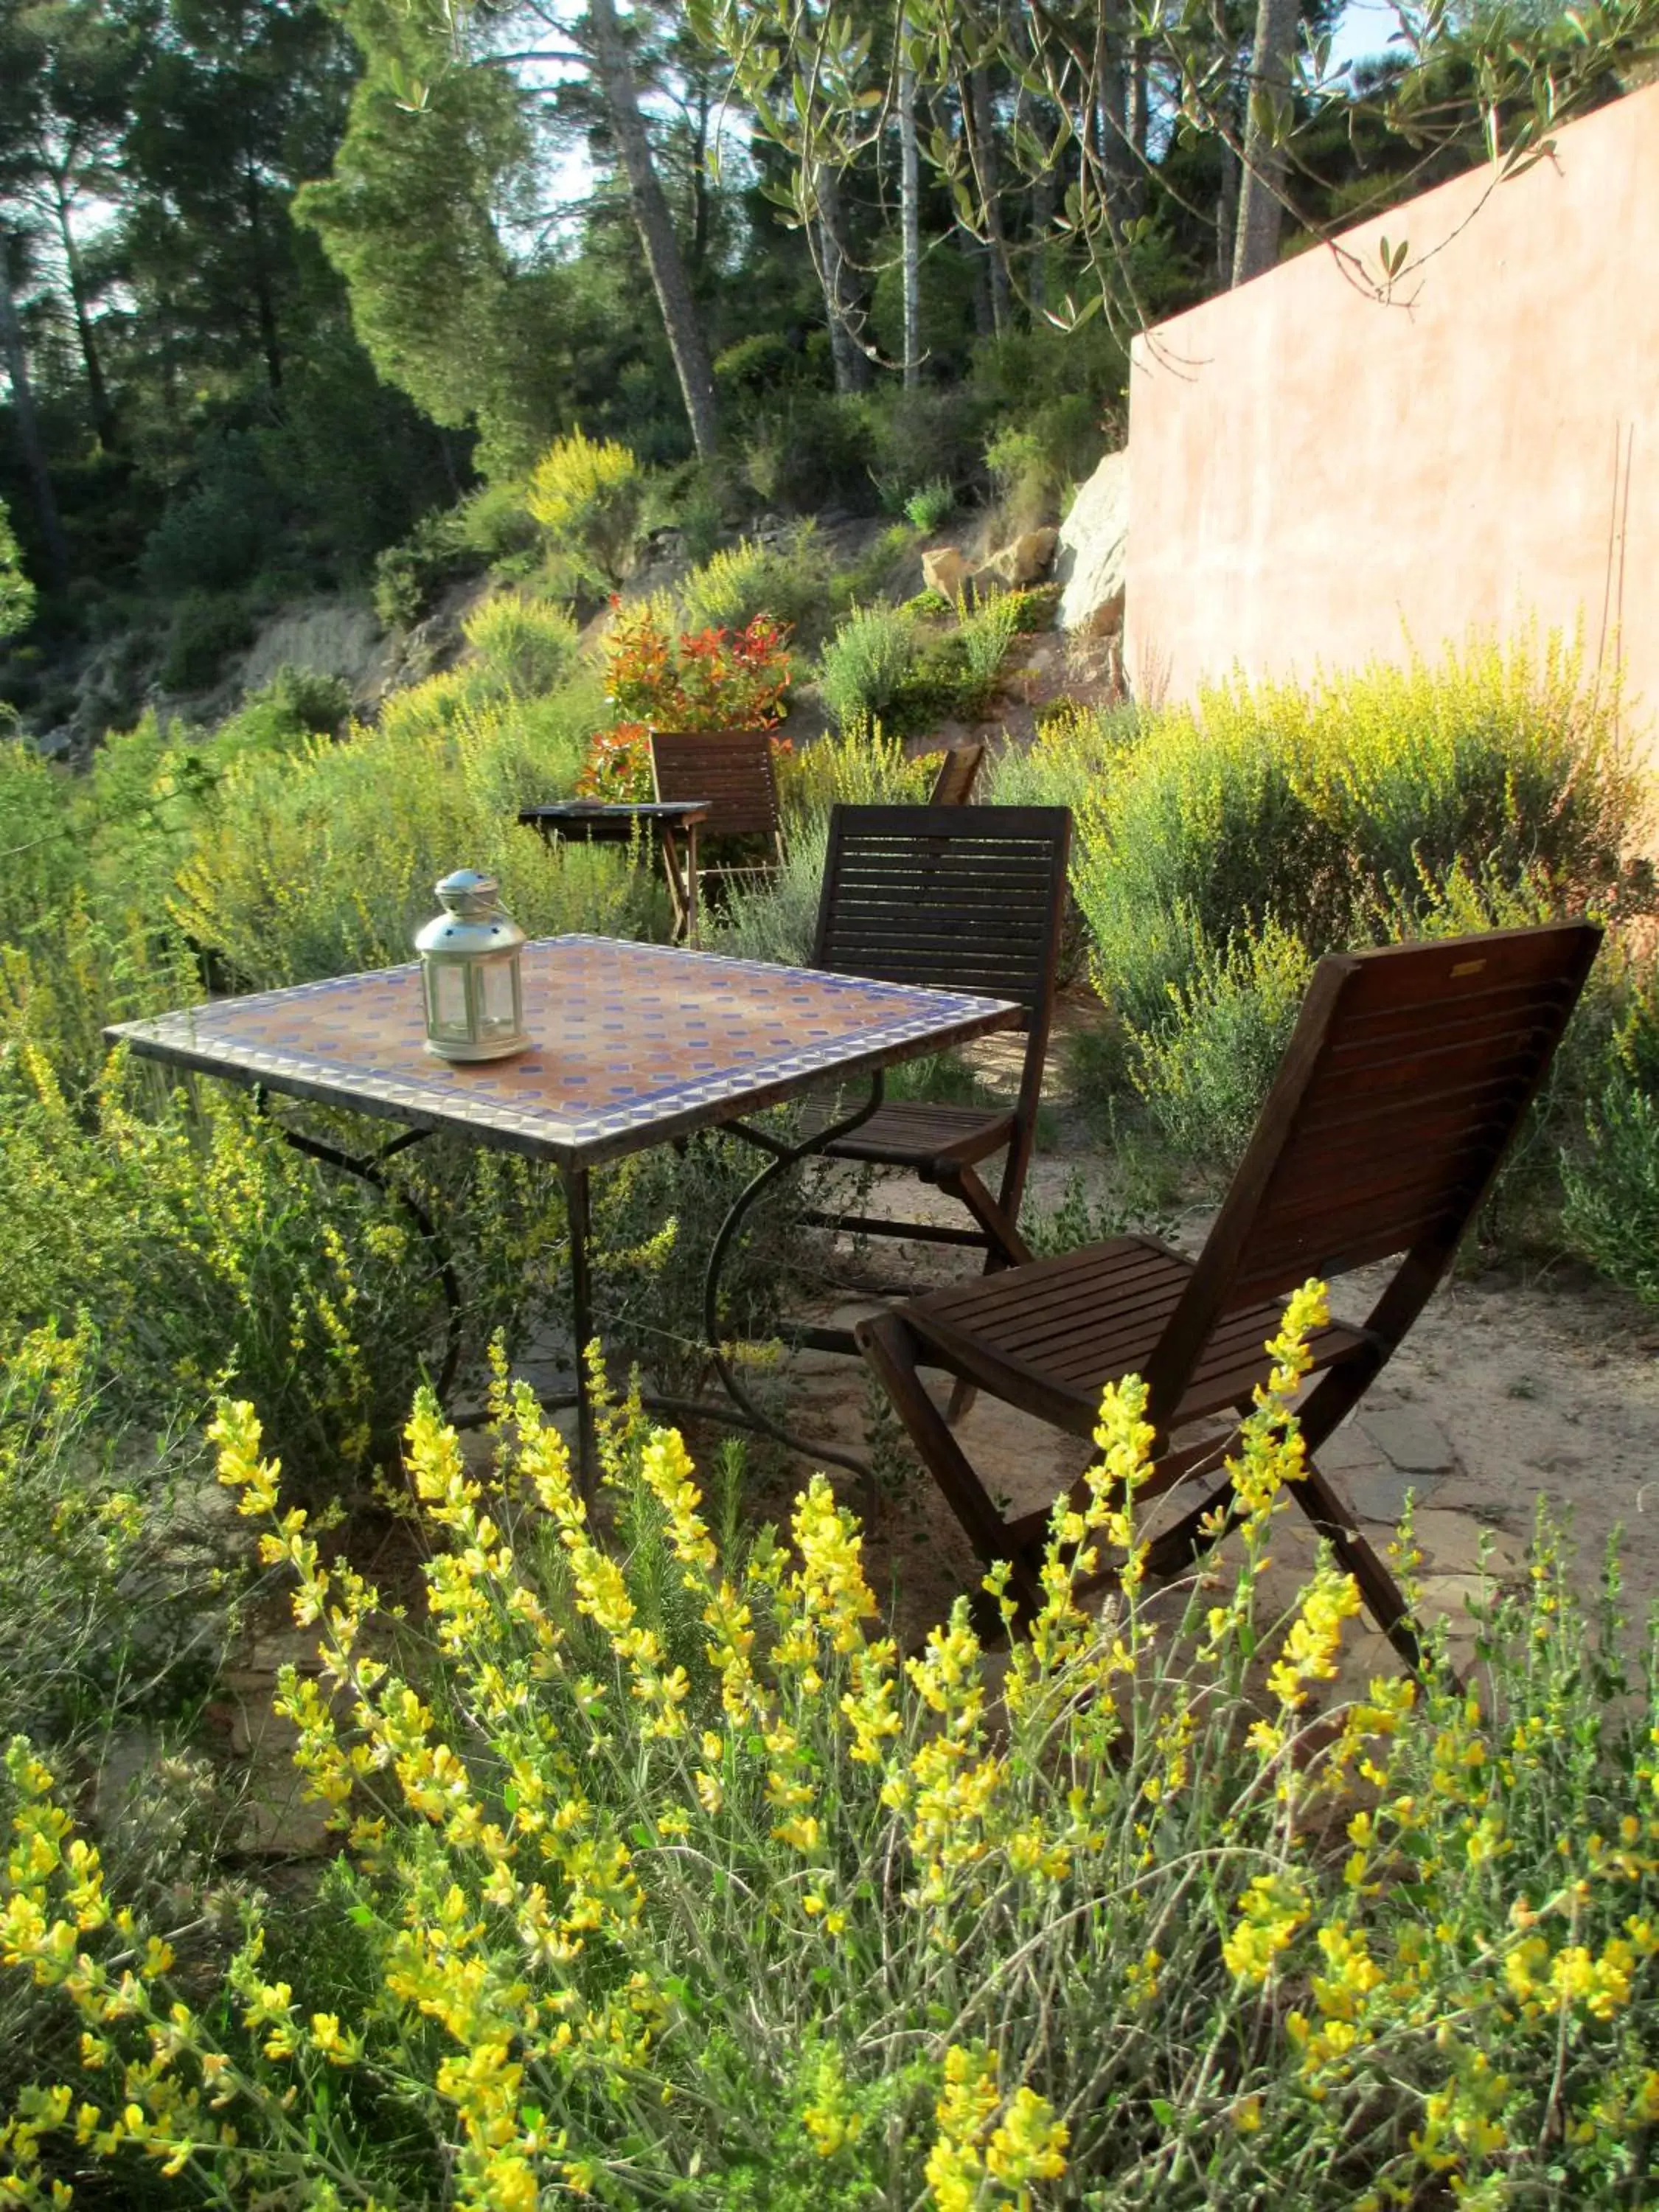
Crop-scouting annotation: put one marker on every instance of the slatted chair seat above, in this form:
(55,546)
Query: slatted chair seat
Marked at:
(1409,1073)
(1060,1330)
(952,898)
(911,1134)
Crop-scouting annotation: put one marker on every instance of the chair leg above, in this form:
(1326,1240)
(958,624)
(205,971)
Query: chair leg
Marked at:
(1008,1247)
(1322,1503)
(890,1349)
(1197,1530)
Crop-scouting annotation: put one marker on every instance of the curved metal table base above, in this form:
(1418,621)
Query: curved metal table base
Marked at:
(368,1170)
(742,1411)
(784,1158)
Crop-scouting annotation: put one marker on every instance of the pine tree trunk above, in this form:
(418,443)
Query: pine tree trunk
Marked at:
(103,414)
(840,305)
(1040,201)
(656,228)
(989,174)
(1226,215)
(1259,209)
(700,211)
(909,218)
(264,300)
(1112,114)
(29,427)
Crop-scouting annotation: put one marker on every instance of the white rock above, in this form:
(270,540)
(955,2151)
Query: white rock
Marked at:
(945,571)
(1021,561)
(1094,546)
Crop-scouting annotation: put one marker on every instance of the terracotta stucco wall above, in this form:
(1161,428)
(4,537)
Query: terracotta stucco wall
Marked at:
(1317,477)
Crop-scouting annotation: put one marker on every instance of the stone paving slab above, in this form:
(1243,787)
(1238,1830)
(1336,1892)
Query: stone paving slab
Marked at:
(1408,1439)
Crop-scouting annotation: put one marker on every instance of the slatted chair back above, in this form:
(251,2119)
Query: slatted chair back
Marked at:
(1408,1075)
(958,772)
(731,769)
(951,898)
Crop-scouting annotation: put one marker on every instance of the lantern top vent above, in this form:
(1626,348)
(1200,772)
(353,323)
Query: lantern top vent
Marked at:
(472,920)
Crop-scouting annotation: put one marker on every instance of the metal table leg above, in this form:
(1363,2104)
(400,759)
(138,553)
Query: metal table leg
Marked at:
(581,1322)
(368,1170)
(784,1157)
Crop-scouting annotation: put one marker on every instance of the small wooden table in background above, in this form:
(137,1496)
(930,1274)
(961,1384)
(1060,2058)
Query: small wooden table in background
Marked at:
(604,822)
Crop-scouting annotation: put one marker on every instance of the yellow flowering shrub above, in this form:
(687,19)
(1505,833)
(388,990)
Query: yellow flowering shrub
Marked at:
(665,1879)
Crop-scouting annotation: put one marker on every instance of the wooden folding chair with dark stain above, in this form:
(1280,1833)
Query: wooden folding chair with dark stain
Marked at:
(1407,1076)
(958,772)
(732,771)
(955,898)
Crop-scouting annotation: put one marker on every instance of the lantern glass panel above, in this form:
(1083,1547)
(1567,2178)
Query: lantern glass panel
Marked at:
(447,984)
(499,1010)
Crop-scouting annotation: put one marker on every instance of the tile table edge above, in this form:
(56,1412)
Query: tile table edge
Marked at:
(173,1040)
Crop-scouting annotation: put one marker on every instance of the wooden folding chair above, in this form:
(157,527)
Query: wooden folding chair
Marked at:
(1407,1076)
(958,772)
(731,770)
(955,898)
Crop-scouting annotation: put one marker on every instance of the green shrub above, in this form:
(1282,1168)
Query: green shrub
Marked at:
(294,704)
(863,668)
(199,1246)
(409,575)
(38,837)
(873,572)
(1611,1180)
(206,629)
(1612,1185)
(524,645)
(788,583)
(803,448)
(1027,480)
(587,495)
(920,437)
(1206,1069)
(1199,837)
(104,1623)
(677,1886)
(863,766)
(1318,805)
(16,592)
(931,505)
(213,536)
(1077,754)
(777,920)
(324,862)
(1503,759)
(985,635)
(115,1588)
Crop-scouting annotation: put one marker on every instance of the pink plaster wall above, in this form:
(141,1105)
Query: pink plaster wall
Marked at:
(1317,477)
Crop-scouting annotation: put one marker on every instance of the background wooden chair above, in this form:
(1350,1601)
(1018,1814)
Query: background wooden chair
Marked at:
(954,898)
(1406,1078)
(958,772)
(731,770)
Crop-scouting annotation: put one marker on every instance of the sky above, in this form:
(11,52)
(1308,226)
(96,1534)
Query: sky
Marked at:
(1365,27)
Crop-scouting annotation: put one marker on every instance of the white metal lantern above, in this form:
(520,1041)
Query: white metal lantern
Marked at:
(469,965)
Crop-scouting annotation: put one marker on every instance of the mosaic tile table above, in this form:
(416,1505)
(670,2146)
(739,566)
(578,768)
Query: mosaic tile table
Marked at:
(634,1045)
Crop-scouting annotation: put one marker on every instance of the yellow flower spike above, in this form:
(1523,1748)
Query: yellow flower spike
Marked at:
(1271,1910)
(1028,2144)
(666,1468)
